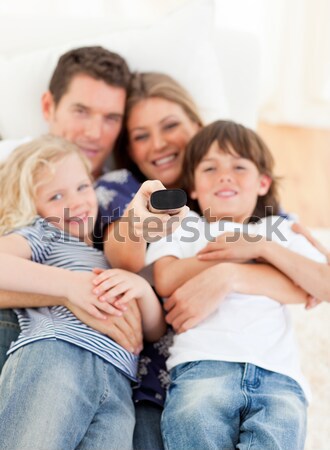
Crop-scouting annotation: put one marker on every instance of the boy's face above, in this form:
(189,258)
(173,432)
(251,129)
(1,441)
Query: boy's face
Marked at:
(67,197)
(89,114)
(227,186)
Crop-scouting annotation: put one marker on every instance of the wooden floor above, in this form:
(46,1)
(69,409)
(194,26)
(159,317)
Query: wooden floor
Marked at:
(302,158)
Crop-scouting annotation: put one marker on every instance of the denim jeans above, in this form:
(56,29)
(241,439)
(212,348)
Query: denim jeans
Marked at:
(223,405)
(9,331)
(147,434)
(57,396)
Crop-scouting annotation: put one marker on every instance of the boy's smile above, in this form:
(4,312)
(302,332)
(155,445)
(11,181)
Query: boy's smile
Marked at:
(227,185)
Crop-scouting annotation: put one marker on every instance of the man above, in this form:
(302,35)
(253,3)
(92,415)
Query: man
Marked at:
(85,104)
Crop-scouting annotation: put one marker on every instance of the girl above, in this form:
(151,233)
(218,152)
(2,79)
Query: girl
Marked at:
(235,377)
(77,392)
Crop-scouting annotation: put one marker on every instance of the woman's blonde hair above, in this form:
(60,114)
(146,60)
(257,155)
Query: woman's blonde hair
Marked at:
(147,85)
(19,178)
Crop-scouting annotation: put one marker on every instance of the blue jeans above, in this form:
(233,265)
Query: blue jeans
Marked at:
(223,405)
(9,331)
(147,434)
(57,396)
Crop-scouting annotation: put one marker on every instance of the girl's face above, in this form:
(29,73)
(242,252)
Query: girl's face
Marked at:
(227,185)
(159,132)
(67,197)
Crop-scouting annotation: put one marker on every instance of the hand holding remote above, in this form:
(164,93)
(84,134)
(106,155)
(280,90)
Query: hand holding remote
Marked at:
(168,201)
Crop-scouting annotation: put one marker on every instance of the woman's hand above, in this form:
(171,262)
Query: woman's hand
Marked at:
(233,247)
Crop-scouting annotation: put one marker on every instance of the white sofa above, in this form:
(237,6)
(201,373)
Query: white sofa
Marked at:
(220,68)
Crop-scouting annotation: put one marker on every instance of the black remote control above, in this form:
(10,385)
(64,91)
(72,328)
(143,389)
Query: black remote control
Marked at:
(168,199)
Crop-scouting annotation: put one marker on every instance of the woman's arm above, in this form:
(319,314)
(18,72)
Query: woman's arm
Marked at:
(125,241)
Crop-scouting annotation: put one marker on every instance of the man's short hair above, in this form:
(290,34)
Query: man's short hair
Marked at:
(97,62)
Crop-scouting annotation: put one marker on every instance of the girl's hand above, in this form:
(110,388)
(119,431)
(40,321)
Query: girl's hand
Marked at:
(80,293)
(233,247)
(117,286)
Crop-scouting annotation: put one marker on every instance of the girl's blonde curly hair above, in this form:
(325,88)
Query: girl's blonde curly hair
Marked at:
(20,178)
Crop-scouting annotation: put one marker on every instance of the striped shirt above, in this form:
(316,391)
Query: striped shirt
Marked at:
(51,246)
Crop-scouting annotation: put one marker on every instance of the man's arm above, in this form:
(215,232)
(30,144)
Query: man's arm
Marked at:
(11,299)
(125,330)
(310,275)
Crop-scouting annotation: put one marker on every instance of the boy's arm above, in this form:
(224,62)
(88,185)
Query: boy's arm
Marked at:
(257,279)
(189,304)
(170,272)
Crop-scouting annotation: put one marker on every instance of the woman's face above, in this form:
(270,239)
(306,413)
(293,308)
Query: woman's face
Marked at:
(159,131)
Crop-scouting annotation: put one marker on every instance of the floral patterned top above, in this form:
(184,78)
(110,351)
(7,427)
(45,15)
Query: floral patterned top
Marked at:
(114,191)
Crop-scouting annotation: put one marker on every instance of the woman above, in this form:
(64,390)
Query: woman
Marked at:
(161,118)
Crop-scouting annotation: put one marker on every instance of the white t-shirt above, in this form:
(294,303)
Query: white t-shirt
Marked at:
(7,146)
(245,328)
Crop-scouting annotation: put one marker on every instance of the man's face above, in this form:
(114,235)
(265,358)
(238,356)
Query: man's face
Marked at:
(89,114)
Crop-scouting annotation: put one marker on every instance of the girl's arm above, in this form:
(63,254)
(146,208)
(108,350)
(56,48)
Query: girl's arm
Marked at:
(18,273)
(119,287)
(125,241)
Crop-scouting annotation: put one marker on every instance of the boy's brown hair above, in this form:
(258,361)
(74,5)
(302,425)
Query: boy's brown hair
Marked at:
(233,138)
(97,62)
